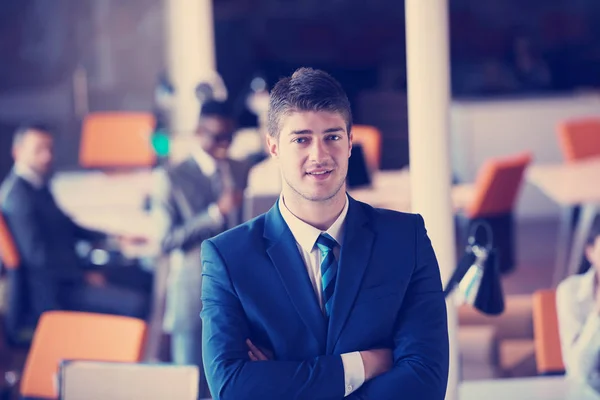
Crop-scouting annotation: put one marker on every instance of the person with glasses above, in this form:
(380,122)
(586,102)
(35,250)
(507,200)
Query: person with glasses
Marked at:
(193,201)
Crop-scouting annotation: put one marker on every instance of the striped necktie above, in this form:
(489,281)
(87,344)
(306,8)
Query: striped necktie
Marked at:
(326,244)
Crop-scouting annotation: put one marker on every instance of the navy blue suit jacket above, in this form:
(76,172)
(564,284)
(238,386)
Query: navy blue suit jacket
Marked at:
(388,295)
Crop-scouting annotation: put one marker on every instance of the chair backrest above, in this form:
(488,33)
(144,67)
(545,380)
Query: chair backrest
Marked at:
(9,254)
(18,317)
(117,140)
(497,185)
(369,138)
(579,138)
(99,380)
(257,204)
(64,335)
(548,353)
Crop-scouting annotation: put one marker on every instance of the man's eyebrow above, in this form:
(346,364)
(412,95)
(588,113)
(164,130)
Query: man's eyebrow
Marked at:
(333,130)
(309,132)
(302,132)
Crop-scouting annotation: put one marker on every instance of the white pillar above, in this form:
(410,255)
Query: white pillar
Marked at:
(190,45)
(428,73)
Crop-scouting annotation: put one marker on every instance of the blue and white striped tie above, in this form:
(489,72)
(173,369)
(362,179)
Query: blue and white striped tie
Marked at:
(326,244)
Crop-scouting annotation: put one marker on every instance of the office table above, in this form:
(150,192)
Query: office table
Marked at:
(570,185)
(535,388)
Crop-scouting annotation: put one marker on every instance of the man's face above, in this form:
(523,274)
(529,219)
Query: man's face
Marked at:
(36,152)
(313,150)
(215,135)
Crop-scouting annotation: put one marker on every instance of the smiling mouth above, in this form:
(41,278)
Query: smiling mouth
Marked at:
(319,173)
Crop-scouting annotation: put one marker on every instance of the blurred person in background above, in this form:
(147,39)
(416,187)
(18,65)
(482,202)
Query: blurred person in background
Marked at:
(193,201)
(578,308)
(56,276)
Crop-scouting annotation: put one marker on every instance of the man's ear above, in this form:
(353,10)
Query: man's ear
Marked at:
(272,146)
(350,138)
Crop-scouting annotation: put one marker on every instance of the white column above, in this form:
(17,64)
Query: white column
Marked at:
(428,72)
(190,45)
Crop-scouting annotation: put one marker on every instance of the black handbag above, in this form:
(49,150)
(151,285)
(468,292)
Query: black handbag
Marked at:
(477,275)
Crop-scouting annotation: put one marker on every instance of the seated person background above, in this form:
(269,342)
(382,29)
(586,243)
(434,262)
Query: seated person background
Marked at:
(578,308)
(46,238)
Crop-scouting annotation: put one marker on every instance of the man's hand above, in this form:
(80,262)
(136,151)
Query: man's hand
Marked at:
(257,354)
(376,362)
(95,279)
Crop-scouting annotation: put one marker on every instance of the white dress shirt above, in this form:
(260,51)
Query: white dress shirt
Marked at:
(306,238)
(579,327)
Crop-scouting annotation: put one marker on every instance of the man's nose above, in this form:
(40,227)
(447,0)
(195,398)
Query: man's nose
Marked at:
(318,151)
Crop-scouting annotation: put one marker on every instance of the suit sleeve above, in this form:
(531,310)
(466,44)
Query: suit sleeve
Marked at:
(176,232)
(421,349)
(85,233)
(79,231)
(229,372)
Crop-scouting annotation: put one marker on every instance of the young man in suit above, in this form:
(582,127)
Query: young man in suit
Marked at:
(195,200)
(46,238)
(322,297)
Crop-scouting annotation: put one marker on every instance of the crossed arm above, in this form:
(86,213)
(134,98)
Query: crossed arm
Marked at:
(420,353)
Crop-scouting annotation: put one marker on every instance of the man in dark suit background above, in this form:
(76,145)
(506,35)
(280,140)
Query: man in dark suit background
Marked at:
(54,274)
(195,200)
(322,297)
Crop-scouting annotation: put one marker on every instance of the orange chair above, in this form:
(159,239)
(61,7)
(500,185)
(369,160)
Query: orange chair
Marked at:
(369,138)
(548,353)
(117,140)
(497,185)
(579,138)
(65,335)
(8,250)
(496,188)
(18,319)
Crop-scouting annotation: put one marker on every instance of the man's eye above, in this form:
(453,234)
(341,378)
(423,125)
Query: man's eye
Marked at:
(333,137)
(300,140)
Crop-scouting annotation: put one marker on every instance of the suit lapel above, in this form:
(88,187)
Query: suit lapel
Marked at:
(354,259)
(288,262)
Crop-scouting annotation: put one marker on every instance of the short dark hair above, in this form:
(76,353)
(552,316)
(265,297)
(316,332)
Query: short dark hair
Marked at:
(307,90)
(216,108)
(23,130)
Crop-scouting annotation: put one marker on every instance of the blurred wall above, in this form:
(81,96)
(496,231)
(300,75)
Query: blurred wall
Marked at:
(117,45)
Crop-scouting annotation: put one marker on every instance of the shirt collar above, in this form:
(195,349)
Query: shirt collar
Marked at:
(207,164)
(29,175)
(306,235)
(587,285)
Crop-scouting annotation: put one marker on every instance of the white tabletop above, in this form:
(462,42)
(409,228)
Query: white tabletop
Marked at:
(536,388)
(568,183)
(99,189)
(112,203)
